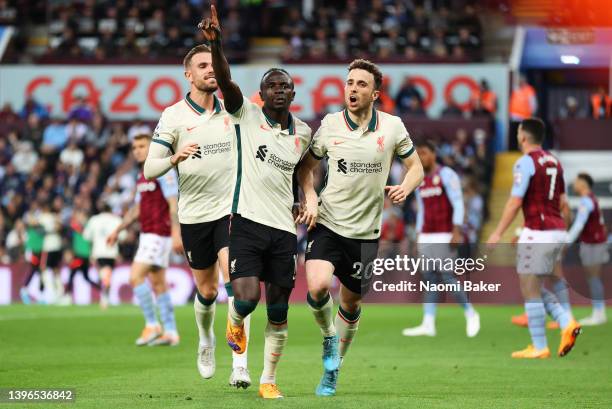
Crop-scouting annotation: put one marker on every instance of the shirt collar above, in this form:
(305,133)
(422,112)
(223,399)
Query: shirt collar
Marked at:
(271,122)
(198,109)
(372,125)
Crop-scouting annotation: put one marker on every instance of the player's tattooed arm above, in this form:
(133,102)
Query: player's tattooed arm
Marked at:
(130,217)
(414,177)
(309,212)
(177,242)
(211,28)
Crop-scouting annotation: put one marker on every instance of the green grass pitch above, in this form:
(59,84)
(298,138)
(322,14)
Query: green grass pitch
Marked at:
(94,353)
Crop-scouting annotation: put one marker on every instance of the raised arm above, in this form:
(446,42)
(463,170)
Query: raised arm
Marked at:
(232,95)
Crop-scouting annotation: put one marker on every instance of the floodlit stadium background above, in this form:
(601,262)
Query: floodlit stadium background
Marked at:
(79,79)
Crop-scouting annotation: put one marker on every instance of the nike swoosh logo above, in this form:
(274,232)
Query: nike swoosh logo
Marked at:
(338,142)
(264,128)
(192,128)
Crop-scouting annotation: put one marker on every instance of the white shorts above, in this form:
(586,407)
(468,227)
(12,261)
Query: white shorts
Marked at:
(539,250)
(436,246)
(594,254)
(153,250)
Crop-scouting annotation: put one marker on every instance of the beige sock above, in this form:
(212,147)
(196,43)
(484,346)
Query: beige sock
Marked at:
(346,328)
(205,319)
(275,340)
(324,316)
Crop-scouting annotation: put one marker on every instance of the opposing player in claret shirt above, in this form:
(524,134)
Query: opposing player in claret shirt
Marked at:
(155,209)
(539,189)
(589,228)
(439,226)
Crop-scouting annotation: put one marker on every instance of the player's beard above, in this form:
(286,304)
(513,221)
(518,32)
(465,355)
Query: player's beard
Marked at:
(205,87)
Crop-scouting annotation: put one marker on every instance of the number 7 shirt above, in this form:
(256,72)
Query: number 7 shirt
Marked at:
(538,180)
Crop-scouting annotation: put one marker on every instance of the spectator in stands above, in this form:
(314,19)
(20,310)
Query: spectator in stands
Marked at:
(72,155)
(523,101)
(69,44)
(478,111)
(570,109)
(9,120)
(33,130)
(81,111)
(484,98)
(405,95)
(54,137)
(8,13)
(415,109)
(601,105)
(77,130)
(452,109)
(6,152)
(31,106)
(25,158)
(384,101)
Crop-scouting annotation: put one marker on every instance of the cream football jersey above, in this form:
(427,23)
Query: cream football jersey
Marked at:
(267,156)
(359,161)
(206,177)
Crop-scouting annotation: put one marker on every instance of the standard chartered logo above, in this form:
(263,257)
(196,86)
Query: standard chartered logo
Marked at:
(359,167)
(277,162)
(262,151)
(212,149)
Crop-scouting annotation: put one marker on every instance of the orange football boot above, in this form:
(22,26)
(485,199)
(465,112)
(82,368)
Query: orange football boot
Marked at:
(531,353)
(568,337)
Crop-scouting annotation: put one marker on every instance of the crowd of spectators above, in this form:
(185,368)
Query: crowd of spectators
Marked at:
(392,30)
(409,102)
(155,30)
(74,165)
(316,30)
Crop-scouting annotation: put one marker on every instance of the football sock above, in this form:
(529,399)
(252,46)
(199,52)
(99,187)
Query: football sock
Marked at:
(323,313)
(430,298)
(275,340)
(346,325)
(597,293)
(166,312)
(205,319)
(460,296)
(239,309)
(536,316)
(554,308)
(144,296)
(562,292)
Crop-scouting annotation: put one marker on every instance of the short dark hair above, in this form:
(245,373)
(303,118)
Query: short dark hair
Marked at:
(587,178)
(272,71)
(426,143)
(200,48)
(535,128)
(370,67)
